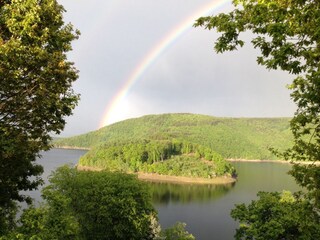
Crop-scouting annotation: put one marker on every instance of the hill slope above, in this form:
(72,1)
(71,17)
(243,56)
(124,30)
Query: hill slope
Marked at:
(247,138)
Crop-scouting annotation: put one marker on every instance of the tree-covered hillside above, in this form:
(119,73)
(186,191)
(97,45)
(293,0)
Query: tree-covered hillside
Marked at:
(162,157)
(248,138)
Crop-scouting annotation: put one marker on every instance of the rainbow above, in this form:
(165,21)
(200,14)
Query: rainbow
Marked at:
(152,55)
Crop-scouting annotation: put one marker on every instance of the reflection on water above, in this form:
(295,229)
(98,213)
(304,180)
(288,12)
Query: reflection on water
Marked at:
(205,208)
(165,193)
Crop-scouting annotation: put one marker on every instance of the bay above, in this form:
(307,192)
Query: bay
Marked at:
(204,208)
(50,161)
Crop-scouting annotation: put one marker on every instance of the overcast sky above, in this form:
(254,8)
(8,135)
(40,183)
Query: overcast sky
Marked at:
(188,76)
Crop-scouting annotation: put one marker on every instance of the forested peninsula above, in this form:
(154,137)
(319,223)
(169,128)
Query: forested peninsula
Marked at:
(154,159)
(186,145)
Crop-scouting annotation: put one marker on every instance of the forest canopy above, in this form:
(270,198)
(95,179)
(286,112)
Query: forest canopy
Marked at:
(163,157)
(240,138)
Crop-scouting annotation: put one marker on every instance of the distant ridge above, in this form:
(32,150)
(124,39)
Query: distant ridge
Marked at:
(238,138)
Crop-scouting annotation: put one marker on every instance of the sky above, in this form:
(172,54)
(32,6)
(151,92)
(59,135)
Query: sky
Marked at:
(139,57)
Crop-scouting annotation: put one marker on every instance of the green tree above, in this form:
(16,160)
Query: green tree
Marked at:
(288,36)
(176,232)
(277,216)
(35,92)
(51,221)
(92,205)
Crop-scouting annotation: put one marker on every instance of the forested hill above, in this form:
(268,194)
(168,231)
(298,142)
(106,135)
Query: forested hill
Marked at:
(247,138)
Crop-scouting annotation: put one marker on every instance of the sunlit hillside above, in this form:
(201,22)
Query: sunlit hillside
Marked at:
(248,138)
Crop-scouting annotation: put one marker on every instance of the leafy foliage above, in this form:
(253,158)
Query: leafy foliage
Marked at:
(176,232)
(248,138)
(35,91)
(287,34)
(16,165)
(308,176)
(277,216)
(91,205)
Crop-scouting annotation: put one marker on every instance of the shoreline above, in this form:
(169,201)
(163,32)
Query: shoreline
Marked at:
(154,177)
(270,161)
(70,148)
(229,159)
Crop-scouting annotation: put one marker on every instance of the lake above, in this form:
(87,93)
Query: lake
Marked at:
(205,208)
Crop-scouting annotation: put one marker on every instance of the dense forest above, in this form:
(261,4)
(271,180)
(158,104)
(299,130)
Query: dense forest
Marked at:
(188,145)
(246,138)
(162,157)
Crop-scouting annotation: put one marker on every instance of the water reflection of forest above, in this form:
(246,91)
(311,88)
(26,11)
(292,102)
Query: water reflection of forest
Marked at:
(164,193)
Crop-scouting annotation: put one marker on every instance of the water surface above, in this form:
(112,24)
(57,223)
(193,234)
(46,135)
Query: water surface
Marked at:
(205,208)
(53,159)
